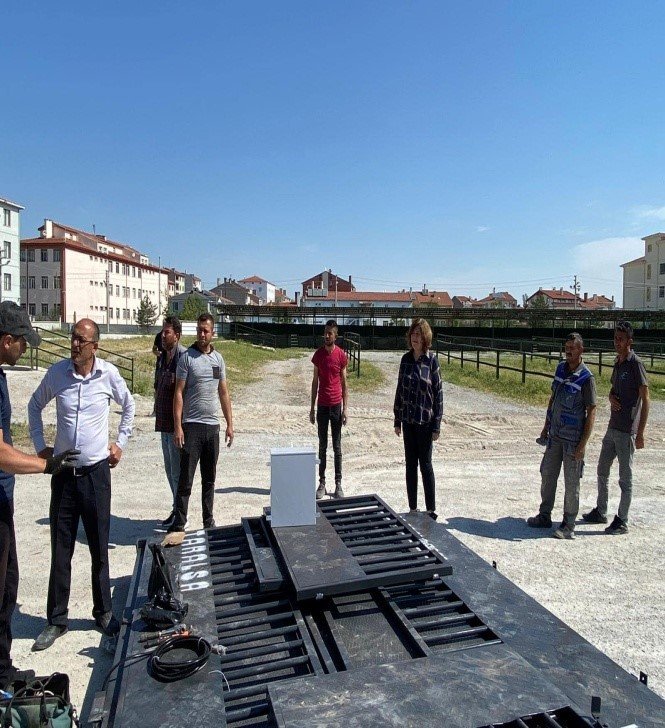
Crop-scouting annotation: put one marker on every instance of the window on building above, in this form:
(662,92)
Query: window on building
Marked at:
(133,292)
(31,282)
(110,313)
(133,271)
(648,294)
(125,269)
(7,217)
(44,255)
(7,249)
(22,255)
(117,313)
(23,281)
(110,266)
(661,291)
(44,309)
(31,256)
(44,281)
(139,272)
(57,256)
(662,269)
(117,290)
(6,281)
(648,271)
(57,282)
(32,309)
(56,309)
(117,267)
(649,248)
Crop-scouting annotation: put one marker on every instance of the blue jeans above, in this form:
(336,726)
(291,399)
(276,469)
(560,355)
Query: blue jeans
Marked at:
(171,455)
(620,445)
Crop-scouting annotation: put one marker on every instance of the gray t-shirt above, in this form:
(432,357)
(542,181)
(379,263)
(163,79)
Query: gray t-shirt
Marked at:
(202,374)
(627,378)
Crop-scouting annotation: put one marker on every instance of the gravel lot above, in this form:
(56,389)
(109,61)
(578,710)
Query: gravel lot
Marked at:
(610,589)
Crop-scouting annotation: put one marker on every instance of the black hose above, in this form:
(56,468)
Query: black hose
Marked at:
(173,670)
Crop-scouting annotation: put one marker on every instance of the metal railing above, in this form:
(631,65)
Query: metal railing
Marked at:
(57,346)
(242,332)
(490,357)
(351,345)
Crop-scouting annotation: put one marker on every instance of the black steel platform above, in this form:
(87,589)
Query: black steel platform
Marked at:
(454,644)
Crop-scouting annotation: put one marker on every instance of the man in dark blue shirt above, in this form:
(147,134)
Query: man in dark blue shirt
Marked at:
(15,331)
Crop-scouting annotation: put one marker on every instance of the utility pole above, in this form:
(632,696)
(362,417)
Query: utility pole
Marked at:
(576,289)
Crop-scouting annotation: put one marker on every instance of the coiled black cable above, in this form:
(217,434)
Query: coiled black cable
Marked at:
(173,670)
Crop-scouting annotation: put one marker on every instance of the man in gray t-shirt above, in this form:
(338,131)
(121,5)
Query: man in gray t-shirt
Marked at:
(629,403)
(200,384)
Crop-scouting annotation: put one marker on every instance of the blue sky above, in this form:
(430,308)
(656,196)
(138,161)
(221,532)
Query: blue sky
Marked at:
(465,145)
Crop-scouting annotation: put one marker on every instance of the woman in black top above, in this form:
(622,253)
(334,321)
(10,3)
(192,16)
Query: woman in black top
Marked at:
(418,411)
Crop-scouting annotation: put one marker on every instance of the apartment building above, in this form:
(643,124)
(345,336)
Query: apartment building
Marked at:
(644,277)
(10,239)
(264,290)
(68,274)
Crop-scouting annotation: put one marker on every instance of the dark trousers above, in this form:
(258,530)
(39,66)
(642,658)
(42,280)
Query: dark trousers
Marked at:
(86,494)
(332,415)
(201,443)
(8,587)
(418,450)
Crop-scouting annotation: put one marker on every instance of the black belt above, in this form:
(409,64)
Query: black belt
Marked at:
(87,469)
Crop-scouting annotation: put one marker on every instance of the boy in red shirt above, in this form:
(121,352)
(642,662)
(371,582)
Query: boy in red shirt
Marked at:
(329,382)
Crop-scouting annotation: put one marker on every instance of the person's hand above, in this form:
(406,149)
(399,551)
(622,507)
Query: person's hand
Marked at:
(579,452)
(398,430)
(615,405)
(115,453)
(435,436)
(179,437)
(312,416)
(344,417)
(639,441)
(56,463)
(228,436)
(46,453)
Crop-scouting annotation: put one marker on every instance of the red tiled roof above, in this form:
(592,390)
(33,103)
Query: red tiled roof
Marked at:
(555,294)
(253,279)
(441,298)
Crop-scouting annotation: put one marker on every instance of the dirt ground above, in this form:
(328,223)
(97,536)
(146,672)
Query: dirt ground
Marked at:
(609,589)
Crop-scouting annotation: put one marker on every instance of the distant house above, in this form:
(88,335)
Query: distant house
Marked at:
(598,302)
(555,298)
(464,302)
(264,290)
(211,300)
(497,299)
(324,283)
(644,278)
(235,292)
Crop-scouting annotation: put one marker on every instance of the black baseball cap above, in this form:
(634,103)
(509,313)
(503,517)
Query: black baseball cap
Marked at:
(15,321)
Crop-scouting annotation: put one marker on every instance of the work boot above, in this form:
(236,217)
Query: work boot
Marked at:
(339,493)
(617,527)
(321,490)
(594,516)
(48,636)
(539,521)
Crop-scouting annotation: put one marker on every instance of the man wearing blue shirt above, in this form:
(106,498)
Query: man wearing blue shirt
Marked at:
(83,388)
(15,330)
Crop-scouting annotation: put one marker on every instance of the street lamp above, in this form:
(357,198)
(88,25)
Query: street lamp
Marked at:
(4,260)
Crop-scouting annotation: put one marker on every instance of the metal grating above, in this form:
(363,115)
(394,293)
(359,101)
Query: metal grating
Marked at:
(566,717)
(387,549)
(264,635)
(439,619)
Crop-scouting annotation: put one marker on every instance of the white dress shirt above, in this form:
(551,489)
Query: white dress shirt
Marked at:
(82,408)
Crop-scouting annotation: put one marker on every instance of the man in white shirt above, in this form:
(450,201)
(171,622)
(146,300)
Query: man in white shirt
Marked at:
(83,388)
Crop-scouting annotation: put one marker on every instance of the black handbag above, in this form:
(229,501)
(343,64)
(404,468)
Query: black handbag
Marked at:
(41,703)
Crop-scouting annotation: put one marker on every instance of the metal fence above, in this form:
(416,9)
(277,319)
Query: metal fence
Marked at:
(351,345)
(56,345)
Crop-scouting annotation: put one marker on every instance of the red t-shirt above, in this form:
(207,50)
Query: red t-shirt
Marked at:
(330,365)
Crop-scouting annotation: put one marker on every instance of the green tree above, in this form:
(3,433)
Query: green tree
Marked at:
(539,312)
(146,314)
(193,308)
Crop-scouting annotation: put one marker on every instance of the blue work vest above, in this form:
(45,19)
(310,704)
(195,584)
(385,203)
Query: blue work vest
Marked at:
(568,412)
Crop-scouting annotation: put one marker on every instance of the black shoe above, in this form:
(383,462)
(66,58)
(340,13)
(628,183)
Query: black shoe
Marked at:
(617,527)
(321,490)
(539,521)
(108,624)
(339,491)
(594,516)
(49,635)
(169,520)
(210,524)
(433,515)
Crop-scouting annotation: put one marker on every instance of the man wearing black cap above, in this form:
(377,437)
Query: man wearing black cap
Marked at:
(15,331)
